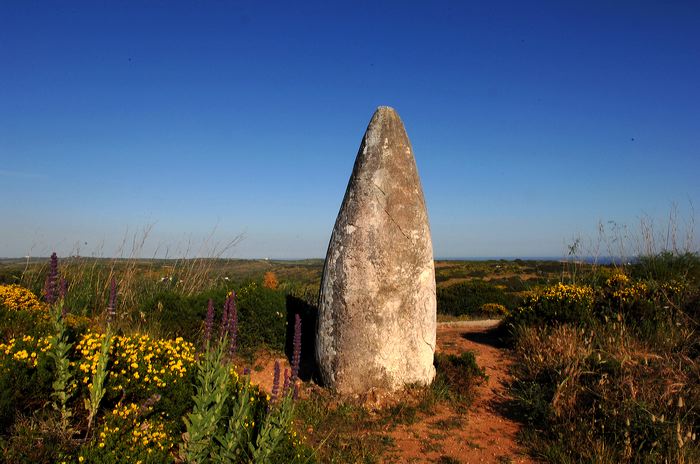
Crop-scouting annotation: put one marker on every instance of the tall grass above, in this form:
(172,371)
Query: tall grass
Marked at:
(608,367)
(138,278)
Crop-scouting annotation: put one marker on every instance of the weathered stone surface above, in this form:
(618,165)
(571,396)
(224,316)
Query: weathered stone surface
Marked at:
(377,308)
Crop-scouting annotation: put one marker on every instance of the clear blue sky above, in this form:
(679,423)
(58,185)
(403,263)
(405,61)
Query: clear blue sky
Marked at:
(530,121)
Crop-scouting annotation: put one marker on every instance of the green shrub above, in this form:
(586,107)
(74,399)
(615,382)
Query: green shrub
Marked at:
(261,317)
(668,267)
(10,275)
(459,374)
(38,439)
(24,387)
(468,297)
(513,284)
(15,323)
(172,314)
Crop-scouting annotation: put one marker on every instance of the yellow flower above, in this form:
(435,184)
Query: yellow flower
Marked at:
(19,298)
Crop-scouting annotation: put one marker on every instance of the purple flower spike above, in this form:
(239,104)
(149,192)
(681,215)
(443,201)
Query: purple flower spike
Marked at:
(63,289)
(209,322)
(296,354)
(295,394)
(112,307)
(285,386)
(51,280)
(246,371)
(232,325)
(224,319)
(276,382)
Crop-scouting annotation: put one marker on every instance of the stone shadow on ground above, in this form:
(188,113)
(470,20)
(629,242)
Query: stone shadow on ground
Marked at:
(493,337)
(308,367)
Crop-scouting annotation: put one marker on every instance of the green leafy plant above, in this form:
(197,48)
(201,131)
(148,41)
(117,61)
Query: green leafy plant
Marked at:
(273,430)
(239,430)
(231,420)
(59,353)
(210,401)
(54,293)
(97,385)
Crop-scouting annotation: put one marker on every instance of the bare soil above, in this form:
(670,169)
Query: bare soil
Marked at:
(484,434)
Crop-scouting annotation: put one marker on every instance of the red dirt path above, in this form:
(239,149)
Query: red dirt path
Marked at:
(486,435)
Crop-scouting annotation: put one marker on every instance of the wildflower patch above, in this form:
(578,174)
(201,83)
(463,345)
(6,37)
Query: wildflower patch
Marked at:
(18,298)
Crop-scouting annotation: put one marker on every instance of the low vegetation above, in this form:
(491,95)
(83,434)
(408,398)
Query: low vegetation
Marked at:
(129,366)
(359,430)
(95,387)
(608,370)
(476,299)
(125,362)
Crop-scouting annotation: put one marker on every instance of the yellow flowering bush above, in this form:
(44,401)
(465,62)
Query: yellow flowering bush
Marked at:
(27,349)
(615,294)
(140,363)
(26,377)
(145,387)
(131,433)
(557,303)
(494,309)
(19,298)
(630,293)
(563,293)
(622,293)
(617,279)
(619,289)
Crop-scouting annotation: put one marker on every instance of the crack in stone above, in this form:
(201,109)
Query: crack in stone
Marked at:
(397,225)
(432,347)
(380,189)
(390,217)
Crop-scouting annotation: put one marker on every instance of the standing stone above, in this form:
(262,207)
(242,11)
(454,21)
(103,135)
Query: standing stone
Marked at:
(377,307)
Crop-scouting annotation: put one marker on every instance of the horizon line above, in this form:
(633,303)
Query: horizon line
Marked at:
(436,258)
